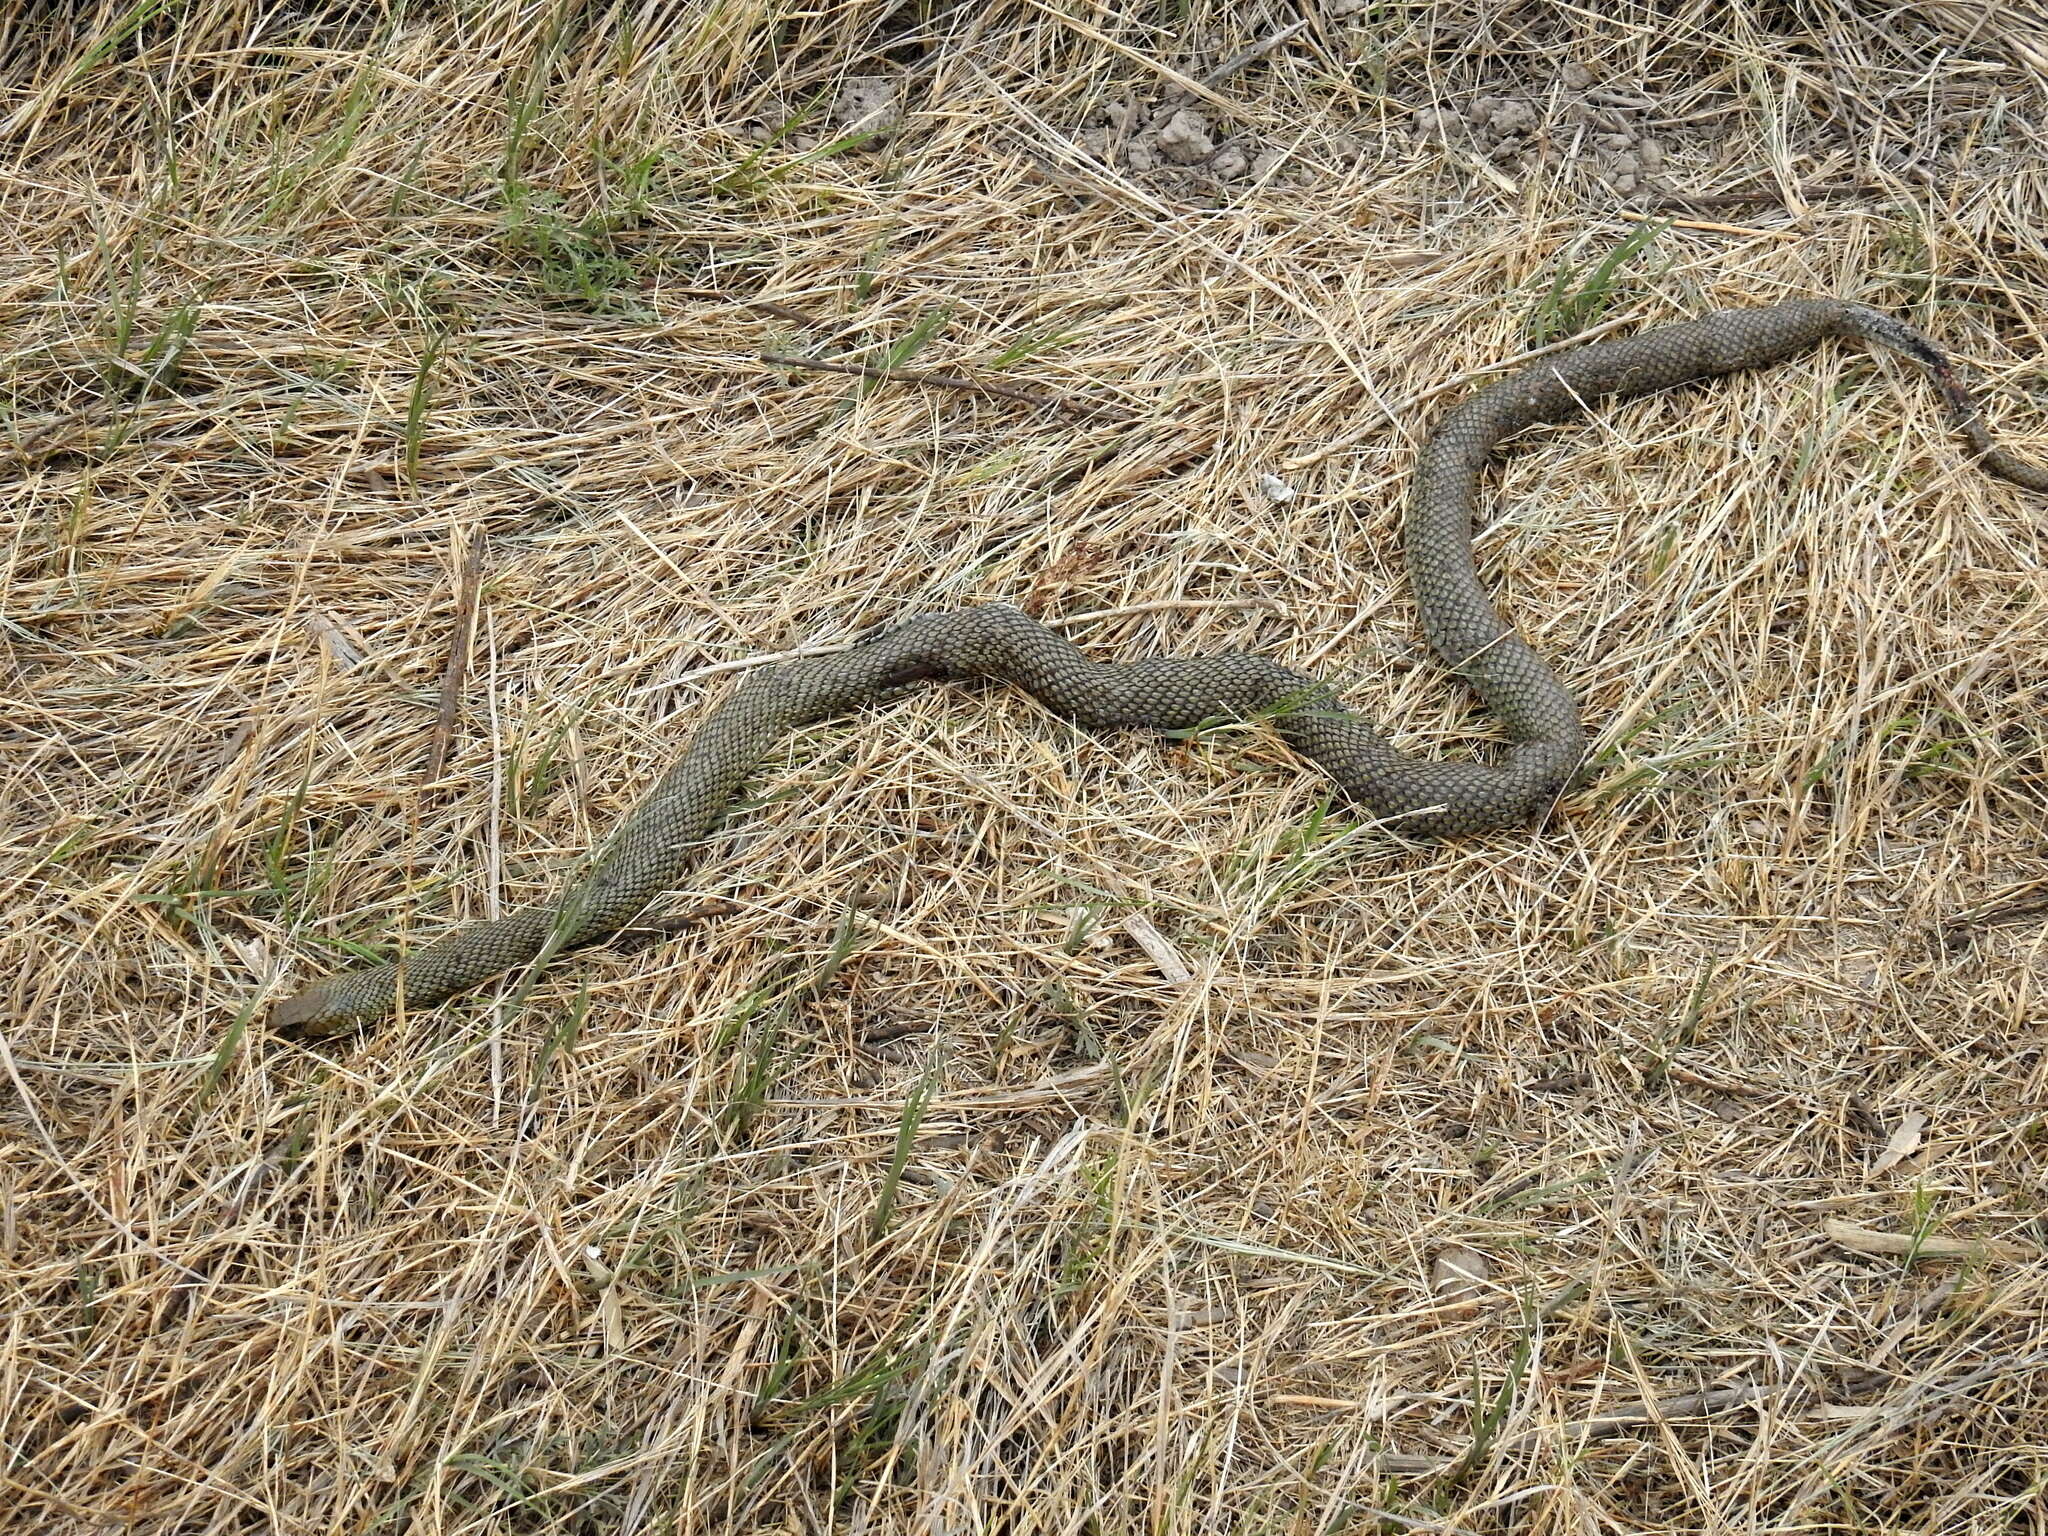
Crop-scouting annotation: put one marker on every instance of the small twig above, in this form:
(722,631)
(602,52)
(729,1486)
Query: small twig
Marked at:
(1922,1403)
(1707,225)
(1158,949)
(795,316)
(1164,605)
(1304,1400)
(1691,1405)
(1717,1084)
(1052,1090)
(1761,197)
(467,580)
(1240,61)
(1915,1405)
(1956,933)
(1924,1245)
(953,381)
(832,329)
(653,930)
(1919,1397)
(1708,202)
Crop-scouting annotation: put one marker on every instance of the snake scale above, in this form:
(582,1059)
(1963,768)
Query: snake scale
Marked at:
(1421,797)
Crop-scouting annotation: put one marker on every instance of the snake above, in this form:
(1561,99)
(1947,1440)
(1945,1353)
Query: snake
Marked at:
(1421,797)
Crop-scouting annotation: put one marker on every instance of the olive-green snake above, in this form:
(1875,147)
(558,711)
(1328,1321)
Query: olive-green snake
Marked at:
(1417,796)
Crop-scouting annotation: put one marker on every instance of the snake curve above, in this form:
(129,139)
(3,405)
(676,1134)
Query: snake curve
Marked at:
(1419,796)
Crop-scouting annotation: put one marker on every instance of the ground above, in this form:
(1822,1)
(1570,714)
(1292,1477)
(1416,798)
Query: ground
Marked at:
(1019,1128)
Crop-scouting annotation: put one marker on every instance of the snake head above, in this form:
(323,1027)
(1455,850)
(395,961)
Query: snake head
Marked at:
(331,1006)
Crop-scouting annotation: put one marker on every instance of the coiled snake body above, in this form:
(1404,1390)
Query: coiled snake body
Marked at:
(1421,797)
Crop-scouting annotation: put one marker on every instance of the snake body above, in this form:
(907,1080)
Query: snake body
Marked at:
(1419,796)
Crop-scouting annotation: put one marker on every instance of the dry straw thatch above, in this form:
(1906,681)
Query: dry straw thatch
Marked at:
(1035,1131)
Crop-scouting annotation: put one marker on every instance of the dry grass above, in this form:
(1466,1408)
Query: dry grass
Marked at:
(912,1194)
